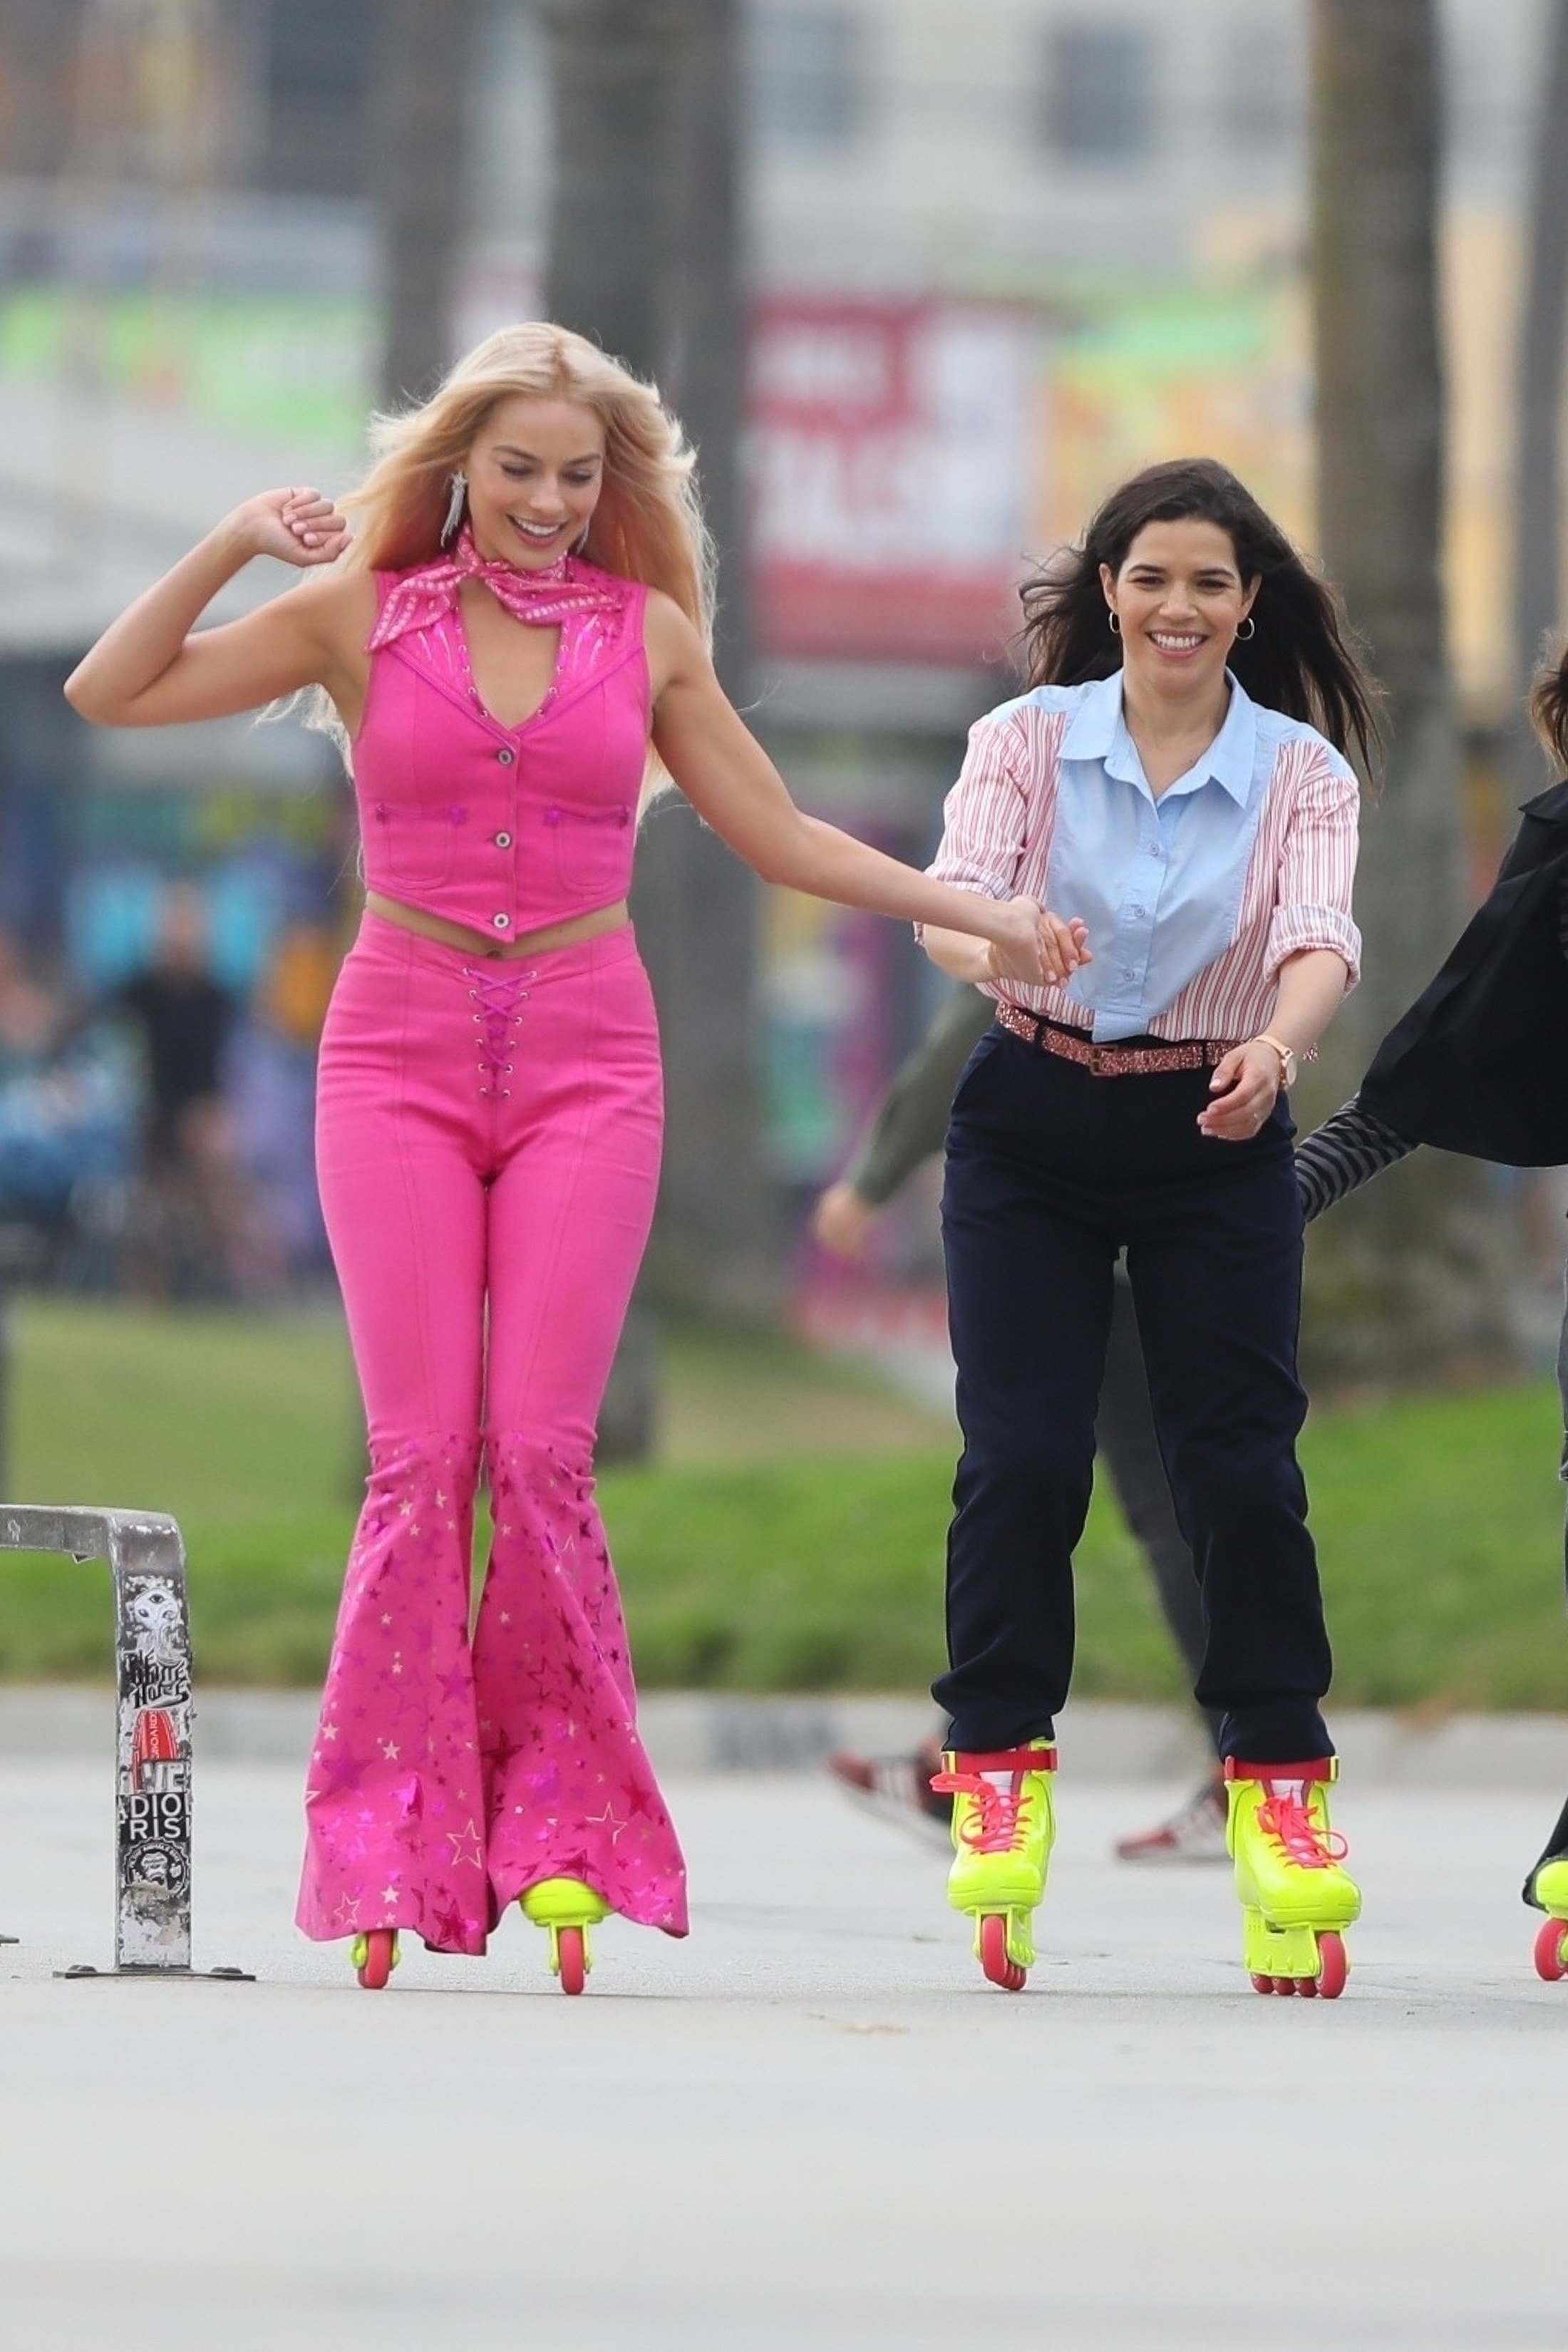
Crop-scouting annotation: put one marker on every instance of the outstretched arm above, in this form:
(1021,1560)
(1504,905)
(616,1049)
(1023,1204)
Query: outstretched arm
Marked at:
(1345,1152)
(152,667)
(909,1128)
(731,782)
(912,1121)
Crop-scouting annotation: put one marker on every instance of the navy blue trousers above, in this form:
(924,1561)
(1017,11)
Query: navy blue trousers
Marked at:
(1051,1173)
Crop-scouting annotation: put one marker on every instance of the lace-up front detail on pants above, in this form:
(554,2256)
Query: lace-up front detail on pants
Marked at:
(498,997)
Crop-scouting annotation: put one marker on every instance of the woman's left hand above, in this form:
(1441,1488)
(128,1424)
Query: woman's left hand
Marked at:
(1245,1086)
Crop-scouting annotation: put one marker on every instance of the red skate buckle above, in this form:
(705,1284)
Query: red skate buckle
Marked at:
(1316,1768)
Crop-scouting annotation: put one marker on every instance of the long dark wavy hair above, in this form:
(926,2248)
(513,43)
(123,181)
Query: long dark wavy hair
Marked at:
(1549,706)
(1302,658)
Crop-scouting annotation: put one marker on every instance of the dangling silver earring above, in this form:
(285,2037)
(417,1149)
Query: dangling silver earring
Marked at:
(455,506)
(581,541)
(1113,623)
(1248,630)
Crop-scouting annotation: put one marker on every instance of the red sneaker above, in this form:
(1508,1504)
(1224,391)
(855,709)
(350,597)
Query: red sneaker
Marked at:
(1196,1832)
(899,1788)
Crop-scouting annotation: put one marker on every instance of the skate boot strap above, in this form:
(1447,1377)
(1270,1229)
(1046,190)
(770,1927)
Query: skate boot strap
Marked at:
(962,1763)
(1316,1768)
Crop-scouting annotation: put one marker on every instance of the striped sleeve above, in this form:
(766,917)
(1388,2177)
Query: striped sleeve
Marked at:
(985,815)
(1346,1151)
(1313,907)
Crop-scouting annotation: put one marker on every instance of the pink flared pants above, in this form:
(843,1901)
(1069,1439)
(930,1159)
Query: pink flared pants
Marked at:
(488,1143)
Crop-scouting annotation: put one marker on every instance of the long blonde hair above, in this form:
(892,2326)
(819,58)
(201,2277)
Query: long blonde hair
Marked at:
(647,525)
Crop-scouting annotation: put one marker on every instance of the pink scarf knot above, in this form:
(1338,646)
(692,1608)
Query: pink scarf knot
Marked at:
(543,598)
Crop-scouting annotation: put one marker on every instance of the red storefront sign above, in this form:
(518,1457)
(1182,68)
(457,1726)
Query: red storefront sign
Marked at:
(892,462)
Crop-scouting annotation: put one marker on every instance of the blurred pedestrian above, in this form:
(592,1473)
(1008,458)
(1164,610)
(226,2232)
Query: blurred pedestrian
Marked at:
(189,1223)
(1163,786)
(526,599)
(906,1131)
(32,1018)
(1475,1066)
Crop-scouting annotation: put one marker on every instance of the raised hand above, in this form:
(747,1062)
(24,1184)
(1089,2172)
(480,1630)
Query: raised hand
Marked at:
(298,526)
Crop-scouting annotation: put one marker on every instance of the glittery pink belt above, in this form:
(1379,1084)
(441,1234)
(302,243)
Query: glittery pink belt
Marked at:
(1108,1061)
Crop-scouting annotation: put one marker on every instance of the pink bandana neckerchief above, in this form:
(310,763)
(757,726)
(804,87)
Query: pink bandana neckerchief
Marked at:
(544,598)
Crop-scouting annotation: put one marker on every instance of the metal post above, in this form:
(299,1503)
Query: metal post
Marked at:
(146,1557)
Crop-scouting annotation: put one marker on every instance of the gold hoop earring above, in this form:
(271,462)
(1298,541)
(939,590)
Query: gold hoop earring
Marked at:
(1248,630)
(1113,623)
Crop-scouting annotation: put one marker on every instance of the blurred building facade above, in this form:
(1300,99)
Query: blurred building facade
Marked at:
(1002,255)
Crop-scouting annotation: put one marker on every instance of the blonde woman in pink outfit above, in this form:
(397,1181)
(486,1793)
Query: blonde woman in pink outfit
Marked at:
(512,640)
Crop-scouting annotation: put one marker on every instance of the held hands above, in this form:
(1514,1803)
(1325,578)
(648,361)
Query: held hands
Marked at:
(297,526)
(1039,948)
(1243,1087)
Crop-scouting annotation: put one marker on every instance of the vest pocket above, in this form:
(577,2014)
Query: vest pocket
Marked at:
(419,842)
(591,848)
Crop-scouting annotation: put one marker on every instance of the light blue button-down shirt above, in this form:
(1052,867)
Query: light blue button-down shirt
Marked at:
(1158,881)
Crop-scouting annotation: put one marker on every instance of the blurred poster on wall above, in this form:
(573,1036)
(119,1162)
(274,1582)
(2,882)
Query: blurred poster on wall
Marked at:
(1179,372)
(894,448)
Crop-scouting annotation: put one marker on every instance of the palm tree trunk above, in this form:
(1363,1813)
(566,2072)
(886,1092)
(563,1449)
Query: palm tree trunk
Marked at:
(1405,1276)
(644,255)
(421,120)
(1538,477)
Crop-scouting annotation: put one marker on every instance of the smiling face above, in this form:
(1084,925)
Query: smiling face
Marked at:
(1180,599)
(535,471)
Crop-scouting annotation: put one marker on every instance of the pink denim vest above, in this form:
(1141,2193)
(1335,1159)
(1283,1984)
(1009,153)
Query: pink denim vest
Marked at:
(505,829)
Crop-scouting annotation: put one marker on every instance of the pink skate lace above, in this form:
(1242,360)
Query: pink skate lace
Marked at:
(995,1828)
(1285,1819)
(500,997)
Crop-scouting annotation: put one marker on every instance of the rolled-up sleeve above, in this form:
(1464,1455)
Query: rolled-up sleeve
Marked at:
(985,815)
(1317,872)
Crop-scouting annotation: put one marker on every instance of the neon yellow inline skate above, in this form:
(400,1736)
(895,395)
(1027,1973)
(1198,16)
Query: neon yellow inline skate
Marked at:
(374,1955)
(568,1909)
(1003,1831)
(1296,1900)
(1548,1888)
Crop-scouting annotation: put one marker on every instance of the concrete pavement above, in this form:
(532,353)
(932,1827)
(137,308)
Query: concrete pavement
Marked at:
(812,2123)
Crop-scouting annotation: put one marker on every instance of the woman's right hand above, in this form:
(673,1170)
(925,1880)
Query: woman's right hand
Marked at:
(297,526)
(1039,948)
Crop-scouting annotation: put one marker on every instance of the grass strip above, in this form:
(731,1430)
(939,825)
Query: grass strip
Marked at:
(1438,1521)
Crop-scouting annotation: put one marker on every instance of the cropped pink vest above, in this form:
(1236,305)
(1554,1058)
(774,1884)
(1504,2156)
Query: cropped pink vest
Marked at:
(505,829)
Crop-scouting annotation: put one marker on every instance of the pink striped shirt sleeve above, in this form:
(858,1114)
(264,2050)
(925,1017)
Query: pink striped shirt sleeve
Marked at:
(1316,863)
(1006,791)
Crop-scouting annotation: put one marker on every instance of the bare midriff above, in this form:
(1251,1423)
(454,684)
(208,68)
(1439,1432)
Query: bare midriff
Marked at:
(458,935)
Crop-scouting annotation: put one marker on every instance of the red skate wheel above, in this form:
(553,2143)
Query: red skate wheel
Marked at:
(1262,1984)
(1333,1966)
(1552,1951)
(1307,1988)
(377,1965)
(1285,1984)
(994,1963)
(573,1960)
